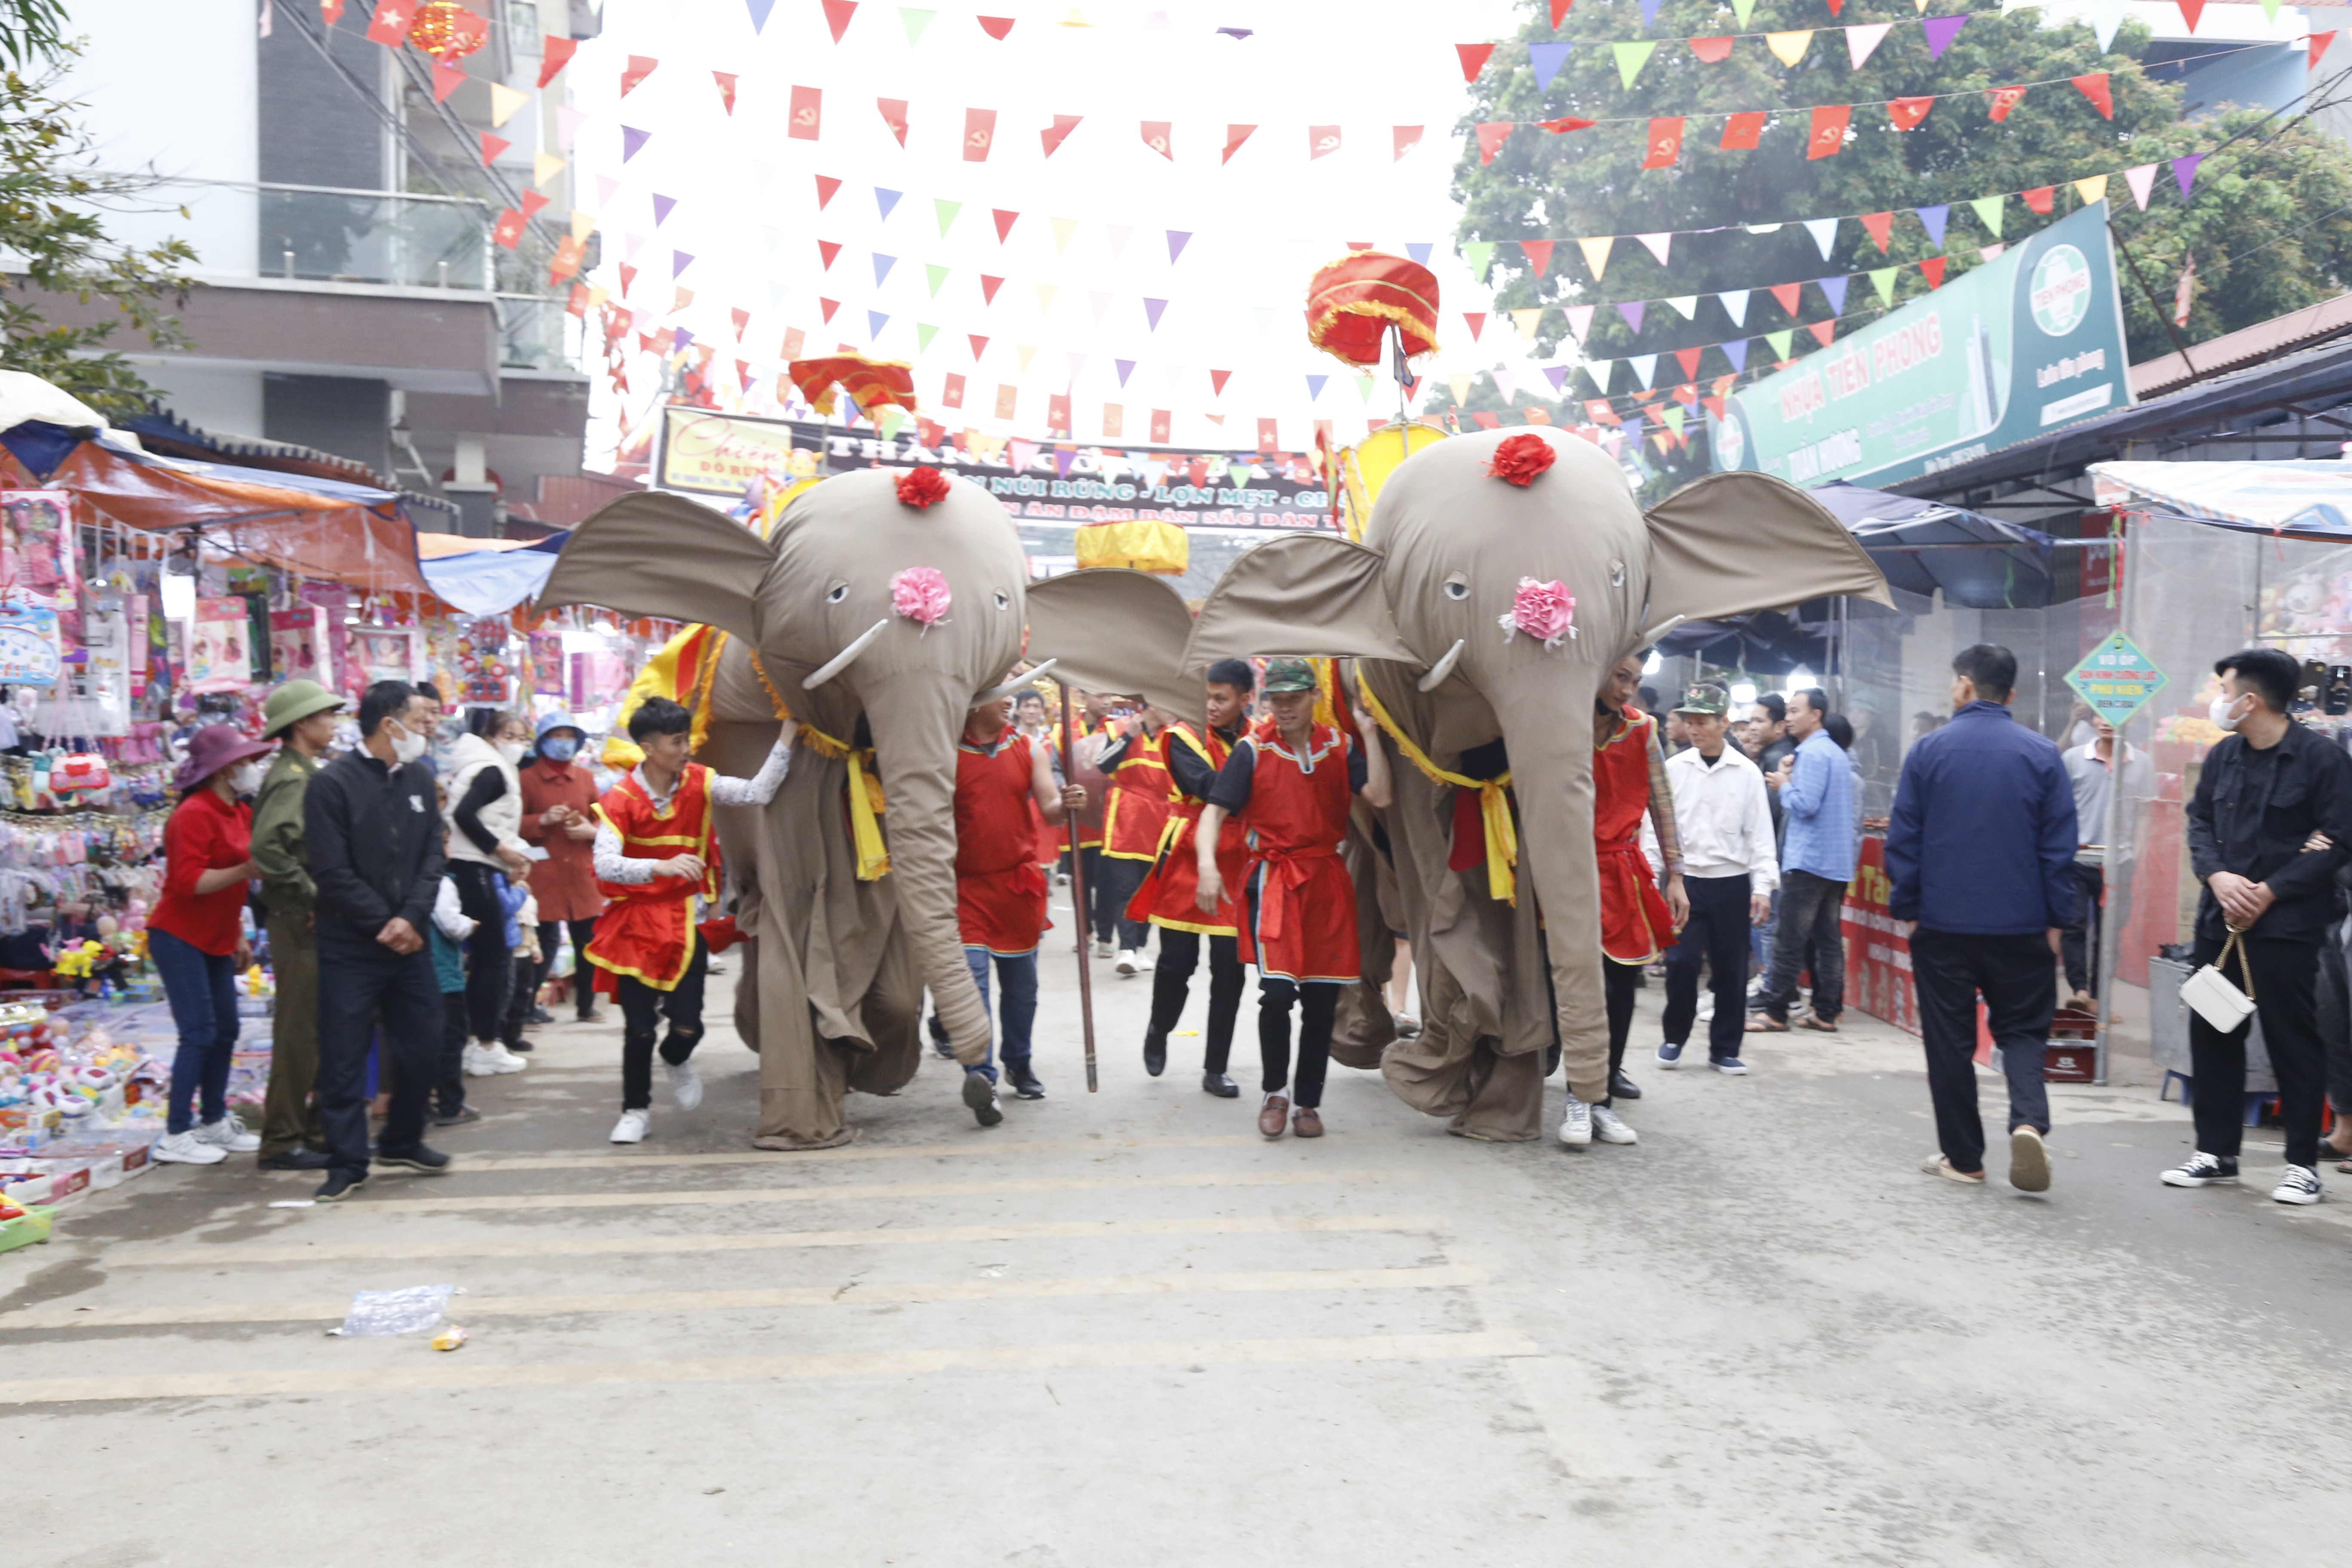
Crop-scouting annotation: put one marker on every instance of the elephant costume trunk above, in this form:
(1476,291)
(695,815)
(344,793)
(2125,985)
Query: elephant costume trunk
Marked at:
(915,718)
(1550,744)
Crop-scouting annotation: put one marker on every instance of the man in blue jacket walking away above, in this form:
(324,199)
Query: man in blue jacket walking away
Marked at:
(1980,850)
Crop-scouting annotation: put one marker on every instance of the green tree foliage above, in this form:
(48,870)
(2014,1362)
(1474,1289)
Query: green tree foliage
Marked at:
(1590,183)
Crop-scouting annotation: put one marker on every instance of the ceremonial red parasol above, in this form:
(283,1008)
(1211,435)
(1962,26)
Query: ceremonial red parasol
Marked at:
(1352,303)
(872,383)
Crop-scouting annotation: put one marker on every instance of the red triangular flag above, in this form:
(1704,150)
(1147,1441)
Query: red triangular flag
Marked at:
(492,146)
(554,53)
(1492,134)
(894,115)
(988,287)
(742,320)
(1906,112)
(1688,360)
(1570,122)
(979,345)
(837,14)
(628,278)
(1474,58)
(1559,11)
(1786,295)
(1823,331)
(725,80)
(531,202)
(1881,227)
(1235,136)
(1687,396)
(1539,253)
(2319,45)
(1217,380)
(2094,87)
(743,373)
(1004,222)
(2005,98)
(2040,198)
(1063,125)
(826,185)
(1478,320)
(1714,405)
(446,79)
(828,307)
(828,249)
(996,27)
(1932,270)
(2190,11)
(640,67)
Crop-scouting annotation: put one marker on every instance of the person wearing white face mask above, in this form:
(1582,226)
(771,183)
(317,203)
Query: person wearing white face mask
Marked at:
(486,811)
(374,836)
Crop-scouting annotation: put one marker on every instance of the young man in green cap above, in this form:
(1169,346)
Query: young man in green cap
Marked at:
(303,714)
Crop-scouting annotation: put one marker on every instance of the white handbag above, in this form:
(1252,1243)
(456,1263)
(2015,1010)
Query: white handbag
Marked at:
(2217,1001)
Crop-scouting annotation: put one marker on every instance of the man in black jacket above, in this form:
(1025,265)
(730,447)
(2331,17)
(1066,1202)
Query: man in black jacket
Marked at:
(374,839)
(2266,792)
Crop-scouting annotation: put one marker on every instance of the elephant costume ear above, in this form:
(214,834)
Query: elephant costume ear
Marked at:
(1115,630)
(1314,594)
(1732,543)
(664,556)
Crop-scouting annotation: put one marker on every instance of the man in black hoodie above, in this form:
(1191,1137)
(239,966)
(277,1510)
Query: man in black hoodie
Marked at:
(374,839)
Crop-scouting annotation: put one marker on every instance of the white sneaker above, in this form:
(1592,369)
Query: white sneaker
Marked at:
(187,1149)
(685,1084)
(502,1059)
(1126,964)
(1610,1127)
(1576,1124)
(475,1062)
(2300,1185)
(631,1127)
(229,1134)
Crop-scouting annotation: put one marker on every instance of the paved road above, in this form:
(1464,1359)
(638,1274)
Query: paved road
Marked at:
(1122,1330)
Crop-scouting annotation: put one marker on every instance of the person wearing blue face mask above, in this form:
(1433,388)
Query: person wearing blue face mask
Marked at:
(558,815)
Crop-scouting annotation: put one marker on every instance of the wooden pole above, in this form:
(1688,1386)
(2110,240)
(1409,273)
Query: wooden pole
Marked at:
(1079,897)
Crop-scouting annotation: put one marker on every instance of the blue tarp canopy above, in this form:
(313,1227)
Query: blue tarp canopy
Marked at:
(486,576)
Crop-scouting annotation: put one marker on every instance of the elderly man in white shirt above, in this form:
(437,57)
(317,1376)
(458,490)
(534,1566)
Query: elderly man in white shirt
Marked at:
(1730,868)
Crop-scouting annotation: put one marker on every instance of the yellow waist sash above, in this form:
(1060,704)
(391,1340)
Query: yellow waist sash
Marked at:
(1494,801)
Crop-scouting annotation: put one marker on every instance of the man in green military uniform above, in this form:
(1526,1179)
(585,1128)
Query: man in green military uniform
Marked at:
(303,714)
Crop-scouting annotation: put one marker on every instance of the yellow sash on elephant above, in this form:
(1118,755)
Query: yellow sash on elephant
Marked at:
(1494,801)
(865,801)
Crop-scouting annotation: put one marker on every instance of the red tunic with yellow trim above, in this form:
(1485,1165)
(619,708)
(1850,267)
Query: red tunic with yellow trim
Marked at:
(1302,924)
(647,931)
(1086,828)
(1000,892)
(1138,809)
(1166,897)
(1635,925)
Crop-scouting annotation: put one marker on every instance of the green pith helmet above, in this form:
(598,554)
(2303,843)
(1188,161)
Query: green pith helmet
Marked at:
(293,702)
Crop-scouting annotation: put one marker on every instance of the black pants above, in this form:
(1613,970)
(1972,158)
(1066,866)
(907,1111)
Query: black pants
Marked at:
(1808,934)
(1172,984)
(2078,940)
(584,975)
(642,1010)
(2020,987)
(1319,1004)
(449,1074)
(2285,989)
(522,995)
(1618,984)
(489,968)
(364,987)
(2334,1016)
(1717,936)
(1120,878)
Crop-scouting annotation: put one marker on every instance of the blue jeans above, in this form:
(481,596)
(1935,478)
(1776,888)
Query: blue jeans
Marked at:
(201,989)
(1020,977)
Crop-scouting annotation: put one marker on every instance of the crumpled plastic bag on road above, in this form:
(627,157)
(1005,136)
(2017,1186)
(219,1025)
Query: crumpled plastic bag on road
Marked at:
(409,1311)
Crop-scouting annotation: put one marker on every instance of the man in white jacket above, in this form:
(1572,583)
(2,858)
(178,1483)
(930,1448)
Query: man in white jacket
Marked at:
(1730,868)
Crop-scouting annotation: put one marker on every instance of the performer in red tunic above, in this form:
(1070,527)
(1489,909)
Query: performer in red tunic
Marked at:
(1192,754)
(1629,778)
(1000,889)
(1133,817)
(1289,782)
(655,853)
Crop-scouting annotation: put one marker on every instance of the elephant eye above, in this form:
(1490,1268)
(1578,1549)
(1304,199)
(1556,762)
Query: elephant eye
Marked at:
(840,592)
(1004,601)
(1457,586)
(1616,574)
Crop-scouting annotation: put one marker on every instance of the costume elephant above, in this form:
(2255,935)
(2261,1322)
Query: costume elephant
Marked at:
(1499,578)
(881,610)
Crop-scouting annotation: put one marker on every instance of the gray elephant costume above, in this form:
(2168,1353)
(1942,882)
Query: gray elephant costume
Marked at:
(1426,604)
(837,617)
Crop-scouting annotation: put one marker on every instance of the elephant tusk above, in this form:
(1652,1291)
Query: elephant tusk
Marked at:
(999,693)
(1445,667)
(841,661)
(1661,629)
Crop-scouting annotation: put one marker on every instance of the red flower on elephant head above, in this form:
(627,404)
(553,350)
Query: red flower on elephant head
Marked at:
(922,486)
(1521,457)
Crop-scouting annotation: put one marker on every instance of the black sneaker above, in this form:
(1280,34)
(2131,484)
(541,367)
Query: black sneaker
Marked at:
(341,1184)
(981,1095)
(296,1159)
(1622,1088)
(542,1015)
(1155,1051)
(1023,1081)
(519,1045)
(2203,1170)
(1221,1085)
(425,1160)
(457,1117)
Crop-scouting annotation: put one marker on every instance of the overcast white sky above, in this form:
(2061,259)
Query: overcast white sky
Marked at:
(747,199)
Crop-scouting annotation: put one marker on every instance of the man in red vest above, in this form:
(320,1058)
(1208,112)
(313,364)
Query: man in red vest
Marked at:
(1291,783)
(1132,819)
(1000,887)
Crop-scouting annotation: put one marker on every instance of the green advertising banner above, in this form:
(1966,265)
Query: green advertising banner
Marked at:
(2029,342)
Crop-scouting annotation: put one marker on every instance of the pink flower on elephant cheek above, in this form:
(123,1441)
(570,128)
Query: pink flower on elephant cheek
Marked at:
(1546,611)
(921,594)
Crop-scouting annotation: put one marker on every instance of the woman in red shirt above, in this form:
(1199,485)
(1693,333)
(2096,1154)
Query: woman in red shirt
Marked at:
(195,939)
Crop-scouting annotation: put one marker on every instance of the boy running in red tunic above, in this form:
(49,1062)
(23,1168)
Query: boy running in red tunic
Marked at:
(1291,783)
(1000,889)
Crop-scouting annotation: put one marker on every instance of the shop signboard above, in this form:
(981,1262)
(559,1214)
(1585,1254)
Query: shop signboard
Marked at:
(704,452)
(2024,344)
(2117,680)
(1877,954)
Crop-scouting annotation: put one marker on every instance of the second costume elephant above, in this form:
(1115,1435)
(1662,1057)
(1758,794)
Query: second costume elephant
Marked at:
(1499,577)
